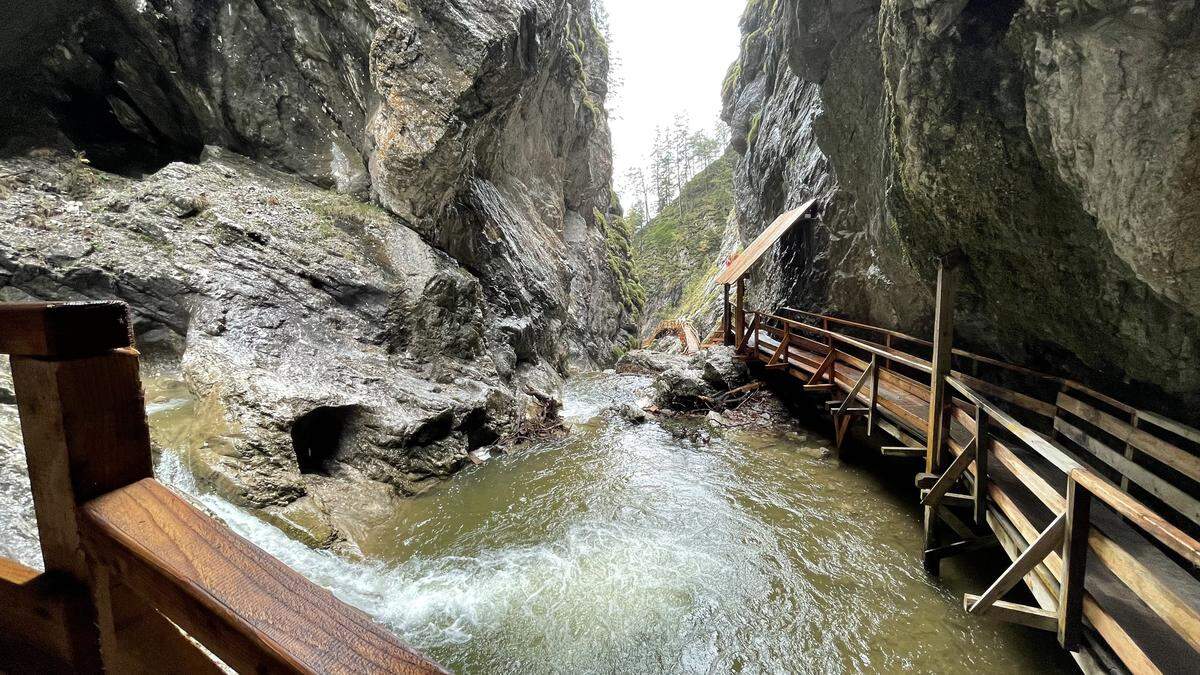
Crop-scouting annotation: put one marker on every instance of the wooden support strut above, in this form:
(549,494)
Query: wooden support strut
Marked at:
(1049,540)
(841,421)
(1075,551)
(943,342)
(726,320)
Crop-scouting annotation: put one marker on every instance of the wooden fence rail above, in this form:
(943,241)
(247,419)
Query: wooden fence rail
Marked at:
(1140,605)
(135,576)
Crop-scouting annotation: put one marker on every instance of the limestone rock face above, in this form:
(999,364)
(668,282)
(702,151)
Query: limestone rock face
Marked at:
(372,232)
(479,123)
(1054,143)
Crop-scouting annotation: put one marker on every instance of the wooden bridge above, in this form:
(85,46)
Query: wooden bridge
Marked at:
(1094,501)
(684,331)
(137,579)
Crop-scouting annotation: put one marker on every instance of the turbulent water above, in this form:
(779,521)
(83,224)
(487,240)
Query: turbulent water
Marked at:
(626,549)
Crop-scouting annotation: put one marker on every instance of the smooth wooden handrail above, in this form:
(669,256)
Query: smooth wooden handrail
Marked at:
(1139,514)
(247,607)
(903,359)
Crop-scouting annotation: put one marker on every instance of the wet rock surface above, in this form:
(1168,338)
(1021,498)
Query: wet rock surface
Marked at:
(373,234)
(1052,142)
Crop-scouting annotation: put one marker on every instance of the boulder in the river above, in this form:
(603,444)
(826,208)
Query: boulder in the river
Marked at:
(721,369)
(649,362)
(632,413)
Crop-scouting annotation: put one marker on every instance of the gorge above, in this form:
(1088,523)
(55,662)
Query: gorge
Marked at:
(387,297)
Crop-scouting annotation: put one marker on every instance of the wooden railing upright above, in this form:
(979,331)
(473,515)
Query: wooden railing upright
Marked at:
(135,576)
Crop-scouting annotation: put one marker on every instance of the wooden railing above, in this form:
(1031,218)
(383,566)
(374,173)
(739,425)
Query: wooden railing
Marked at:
(135,576)
(980,438)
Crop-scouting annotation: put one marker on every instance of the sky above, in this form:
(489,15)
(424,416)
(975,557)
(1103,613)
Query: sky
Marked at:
(671,56)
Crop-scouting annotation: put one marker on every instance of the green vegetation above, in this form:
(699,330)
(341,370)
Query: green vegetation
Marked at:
(677,253)
(755,122)
(618,243)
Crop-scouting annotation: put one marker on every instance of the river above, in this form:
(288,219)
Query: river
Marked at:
(623,548)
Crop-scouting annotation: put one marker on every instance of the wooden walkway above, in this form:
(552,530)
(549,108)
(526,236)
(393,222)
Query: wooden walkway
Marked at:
(1093,500)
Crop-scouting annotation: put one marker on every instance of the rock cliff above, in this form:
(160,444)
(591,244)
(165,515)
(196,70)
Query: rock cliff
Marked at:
(1055,142)
(374,231)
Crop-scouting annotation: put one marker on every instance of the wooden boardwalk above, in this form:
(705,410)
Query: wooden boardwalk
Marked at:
(1093,500)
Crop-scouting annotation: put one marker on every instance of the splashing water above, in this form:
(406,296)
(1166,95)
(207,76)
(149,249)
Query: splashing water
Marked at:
(626,549)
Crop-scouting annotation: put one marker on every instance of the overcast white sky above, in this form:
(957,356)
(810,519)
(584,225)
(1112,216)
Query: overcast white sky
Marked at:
(672,56)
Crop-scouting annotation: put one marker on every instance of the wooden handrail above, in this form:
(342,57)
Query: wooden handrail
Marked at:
(844,339)
(1137,513)
(123,554)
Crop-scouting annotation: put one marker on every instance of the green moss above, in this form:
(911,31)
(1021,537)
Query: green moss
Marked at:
(618,240)
(755,122)
(676,253)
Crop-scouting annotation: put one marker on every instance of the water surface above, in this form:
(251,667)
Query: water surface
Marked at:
(628,549)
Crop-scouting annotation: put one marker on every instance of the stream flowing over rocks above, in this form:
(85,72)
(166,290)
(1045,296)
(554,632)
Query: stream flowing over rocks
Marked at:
(1056,142)
(375,236)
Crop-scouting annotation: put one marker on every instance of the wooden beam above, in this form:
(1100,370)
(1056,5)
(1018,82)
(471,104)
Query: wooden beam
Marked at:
(874,395)
(948,479)
(249,608)
(1033,617)
(963,547)
(726,320)
(739,313)
(1049,540)
(64,329)
(952,499)
(982,442)
(826,367)
(1142,517)
(943,343)
(1075,551)
(901,451)
(1172,496)
(1185,463)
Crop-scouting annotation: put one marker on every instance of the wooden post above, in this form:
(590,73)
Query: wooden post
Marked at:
(1129,451)
(982,441)
(874,395)
(726,321)
(739,312)
(84,425)
(943,341)
(1075,551)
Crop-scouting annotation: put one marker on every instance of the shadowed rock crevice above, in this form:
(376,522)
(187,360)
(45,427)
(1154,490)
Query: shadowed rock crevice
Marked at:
(319,435)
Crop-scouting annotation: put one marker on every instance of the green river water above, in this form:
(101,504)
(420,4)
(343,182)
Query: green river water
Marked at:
(623,548)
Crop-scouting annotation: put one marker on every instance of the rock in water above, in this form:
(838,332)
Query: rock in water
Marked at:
(1054,141)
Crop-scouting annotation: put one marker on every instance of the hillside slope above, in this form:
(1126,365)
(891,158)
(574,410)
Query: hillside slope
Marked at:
(679,251)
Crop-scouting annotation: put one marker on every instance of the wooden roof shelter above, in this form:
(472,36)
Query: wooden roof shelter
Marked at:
(754,252)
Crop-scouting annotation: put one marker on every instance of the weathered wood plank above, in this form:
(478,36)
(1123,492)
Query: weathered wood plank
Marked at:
(1183,462)
(943,343)
(1049,540)
(950,477)
(250,609)
(1142,517)
(1033,617)
(1172,496)
(64,329)
(763,243)
(1075,552)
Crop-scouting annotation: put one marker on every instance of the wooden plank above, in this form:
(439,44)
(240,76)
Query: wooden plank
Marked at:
(1141,517)
(982,446)
(1033,617)
(1172,496)
(1181,430)
(950,477)
(1049,540)
(1035,442)
(963,547)
(1175,611)
(763,243)
(943,342)
(862,380)
(250,609)
(1183,462)
(64,329)
(1003,393)
(37,621)
(951,499)
(1075,551)
(902,451)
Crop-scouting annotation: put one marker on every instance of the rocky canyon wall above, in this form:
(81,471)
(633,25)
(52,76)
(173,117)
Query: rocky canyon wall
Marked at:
(1054,142)
(382,217)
